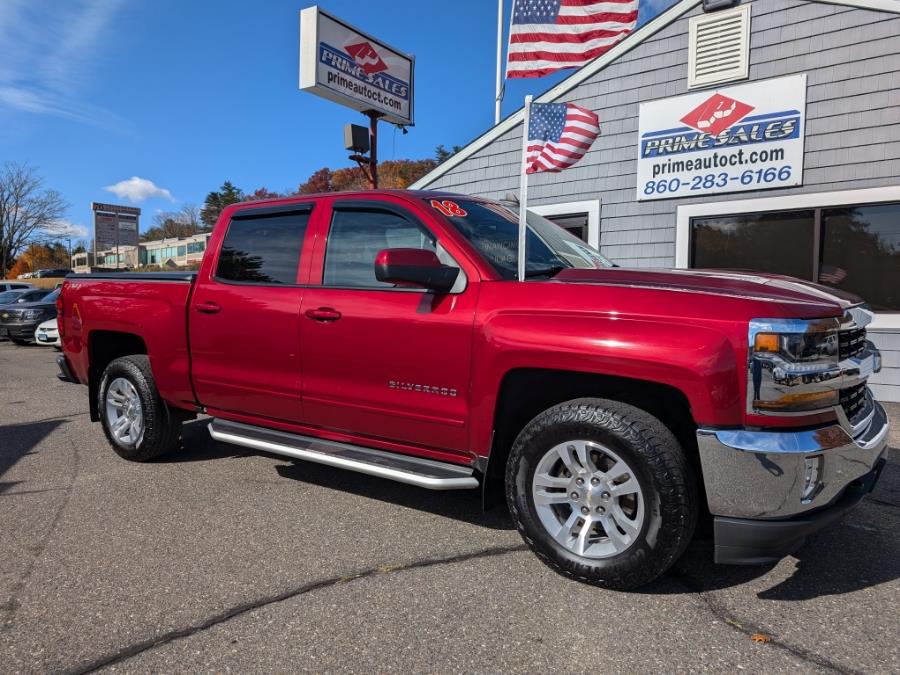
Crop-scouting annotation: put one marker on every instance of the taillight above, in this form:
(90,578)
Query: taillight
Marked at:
(60,324)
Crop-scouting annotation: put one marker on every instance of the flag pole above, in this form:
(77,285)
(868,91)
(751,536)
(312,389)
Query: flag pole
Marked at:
(523,191)
(498,98)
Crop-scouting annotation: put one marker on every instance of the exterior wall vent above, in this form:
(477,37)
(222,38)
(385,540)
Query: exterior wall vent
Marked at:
(719,47)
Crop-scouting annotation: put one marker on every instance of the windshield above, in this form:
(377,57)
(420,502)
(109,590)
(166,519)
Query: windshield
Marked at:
(51,297)
(9,296)
(493,230)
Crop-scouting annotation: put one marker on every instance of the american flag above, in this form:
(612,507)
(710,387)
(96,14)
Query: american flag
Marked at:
(558,135)
(549,35)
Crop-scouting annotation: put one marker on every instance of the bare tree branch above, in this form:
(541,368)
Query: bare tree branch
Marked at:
(26,208)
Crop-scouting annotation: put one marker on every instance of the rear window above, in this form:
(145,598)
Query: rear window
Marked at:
(263,249)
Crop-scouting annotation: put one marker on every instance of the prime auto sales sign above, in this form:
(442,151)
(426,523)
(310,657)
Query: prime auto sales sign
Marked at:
(345,65)
(734,139)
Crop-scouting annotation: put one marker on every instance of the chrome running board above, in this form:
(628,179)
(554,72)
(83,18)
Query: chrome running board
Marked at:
(424,473)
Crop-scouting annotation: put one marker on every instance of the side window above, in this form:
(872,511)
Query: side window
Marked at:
(263,249)
(355,238)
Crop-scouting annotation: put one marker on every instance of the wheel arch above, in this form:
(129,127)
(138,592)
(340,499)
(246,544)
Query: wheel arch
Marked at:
(526,392)
(104,347)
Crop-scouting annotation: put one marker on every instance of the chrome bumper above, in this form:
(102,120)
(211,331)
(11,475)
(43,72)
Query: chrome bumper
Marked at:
(781,474)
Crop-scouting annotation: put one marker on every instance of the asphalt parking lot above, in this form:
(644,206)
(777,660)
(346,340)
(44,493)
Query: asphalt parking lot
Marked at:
(218,560)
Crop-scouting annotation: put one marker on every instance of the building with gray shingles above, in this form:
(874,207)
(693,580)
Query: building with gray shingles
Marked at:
(813,88)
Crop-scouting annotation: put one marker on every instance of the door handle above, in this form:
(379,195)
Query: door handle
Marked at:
(323,314)
(208,307)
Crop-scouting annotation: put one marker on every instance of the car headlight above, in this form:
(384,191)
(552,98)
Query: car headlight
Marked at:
(793,366)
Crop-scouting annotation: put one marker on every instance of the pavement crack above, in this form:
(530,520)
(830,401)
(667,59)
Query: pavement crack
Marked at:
(243,608)
(748,628)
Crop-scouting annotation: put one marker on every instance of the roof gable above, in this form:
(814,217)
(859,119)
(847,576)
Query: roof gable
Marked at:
(646,31)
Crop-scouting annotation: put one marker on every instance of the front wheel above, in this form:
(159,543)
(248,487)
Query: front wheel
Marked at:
(20,341)
(602,492)
(137,422)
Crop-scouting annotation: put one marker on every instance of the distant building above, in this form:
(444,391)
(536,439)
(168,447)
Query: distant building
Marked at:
(172,253)
(175,251)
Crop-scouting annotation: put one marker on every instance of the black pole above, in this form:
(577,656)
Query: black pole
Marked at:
(373,148)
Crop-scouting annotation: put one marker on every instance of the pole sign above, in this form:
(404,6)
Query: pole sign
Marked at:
(114,226)
(733,139)
(345,65)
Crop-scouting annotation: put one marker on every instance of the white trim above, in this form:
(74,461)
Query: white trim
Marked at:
(810,200)
(591,207)
(647,30)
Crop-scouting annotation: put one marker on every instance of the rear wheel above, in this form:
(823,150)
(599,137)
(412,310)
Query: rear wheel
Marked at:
(137,422)
(602,492)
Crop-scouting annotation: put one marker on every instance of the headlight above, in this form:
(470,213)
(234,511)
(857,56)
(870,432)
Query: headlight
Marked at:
(793,366)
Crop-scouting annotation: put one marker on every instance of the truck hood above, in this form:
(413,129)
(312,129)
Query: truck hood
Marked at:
(752,286)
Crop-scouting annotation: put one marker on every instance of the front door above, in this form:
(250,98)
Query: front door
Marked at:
(244,317)
(381,361)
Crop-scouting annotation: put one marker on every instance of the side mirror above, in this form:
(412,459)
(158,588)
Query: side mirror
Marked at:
(415,268)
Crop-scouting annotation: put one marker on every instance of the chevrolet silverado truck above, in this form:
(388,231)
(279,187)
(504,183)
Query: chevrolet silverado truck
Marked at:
(386,332)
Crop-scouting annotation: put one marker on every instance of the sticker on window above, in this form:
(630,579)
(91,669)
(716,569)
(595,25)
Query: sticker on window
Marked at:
(449,208)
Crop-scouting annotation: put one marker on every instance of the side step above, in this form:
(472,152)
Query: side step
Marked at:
(424,473)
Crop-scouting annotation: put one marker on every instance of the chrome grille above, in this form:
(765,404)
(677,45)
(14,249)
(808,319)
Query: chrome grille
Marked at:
(853,401)
(851,342)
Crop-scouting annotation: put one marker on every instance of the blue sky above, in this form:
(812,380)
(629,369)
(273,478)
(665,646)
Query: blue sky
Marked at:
(163,100)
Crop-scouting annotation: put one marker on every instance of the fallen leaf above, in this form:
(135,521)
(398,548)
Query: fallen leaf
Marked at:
(761,637)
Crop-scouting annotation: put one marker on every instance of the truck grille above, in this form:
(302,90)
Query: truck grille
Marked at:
(853,401)
(851,342)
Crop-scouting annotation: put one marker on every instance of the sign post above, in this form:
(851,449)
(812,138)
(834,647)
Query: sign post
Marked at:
(523,191)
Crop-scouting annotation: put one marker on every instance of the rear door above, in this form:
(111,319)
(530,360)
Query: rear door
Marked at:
(381,361)
(244,316)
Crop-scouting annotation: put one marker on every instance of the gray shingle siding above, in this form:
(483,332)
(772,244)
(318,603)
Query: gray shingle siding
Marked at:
(852,60)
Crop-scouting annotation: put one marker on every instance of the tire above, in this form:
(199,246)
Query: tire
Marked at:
(20,341)
(626,527)
(158,430)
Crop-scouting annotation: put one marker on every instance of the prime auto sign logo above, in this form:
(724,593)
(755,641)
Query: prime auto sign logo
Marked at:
(714,142)
(345,65)
(365,56)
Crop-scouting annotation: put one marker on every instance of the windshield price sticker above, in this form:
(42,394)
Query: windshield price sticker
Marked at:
(449,208)
(746,137)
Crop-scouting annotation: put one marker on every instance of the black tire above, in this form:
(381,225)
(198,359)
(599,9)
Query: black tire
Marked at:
(161,428)
(659,464)
(20,341)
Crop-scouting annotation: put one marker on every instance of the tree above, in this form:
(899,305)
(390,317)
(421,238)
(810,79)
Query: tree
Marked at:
(394,173)
(320,181)
(442,154)
(182,223)
(26,208)
(217,200)
(261,193)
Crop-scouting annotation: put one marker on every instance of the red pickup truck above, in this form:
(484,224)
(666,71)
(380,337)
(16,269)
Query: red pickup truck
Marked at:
(386,332)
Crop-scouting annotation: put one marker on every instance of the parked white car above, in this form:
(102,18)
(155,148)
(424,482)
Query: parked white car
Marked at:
(47,333)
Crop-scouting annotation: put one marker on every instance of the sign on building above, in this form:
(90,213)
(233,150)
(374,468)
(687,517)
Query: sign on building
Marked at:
(733,139)
(115,226)
(345,65)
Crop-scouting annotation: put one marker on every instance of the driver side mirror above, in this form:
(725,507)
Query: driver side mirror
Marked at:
(414,268)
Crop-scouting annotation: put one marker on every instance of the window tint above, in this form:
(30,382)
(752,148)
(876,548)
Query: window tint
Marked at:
(263,249)
(776,243)
(860,253)
(356,237)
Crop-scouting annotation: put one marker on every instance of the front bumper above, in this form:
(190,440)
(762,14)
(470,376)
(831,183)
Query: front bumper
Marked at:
(20,331)
(782,476)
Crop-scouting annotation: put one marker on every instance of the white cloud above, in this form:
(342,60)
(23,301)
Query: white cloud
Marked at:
(63,229)
(47,70)
(137,189)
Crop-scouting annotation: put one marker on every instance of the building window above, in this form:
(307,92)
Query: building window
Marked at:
(575,224)
(852,248)
(719,47)
(196,247)
(181,251)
